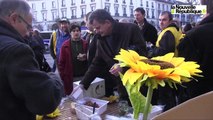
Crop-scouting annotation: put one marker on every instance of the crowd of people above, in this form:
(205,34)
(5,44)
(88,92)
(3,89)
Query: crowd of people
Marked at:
(30,87)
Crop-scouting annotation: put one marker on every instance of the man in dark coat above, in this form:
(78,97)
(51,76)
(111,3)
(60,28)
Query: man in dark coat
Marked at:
(24,90)
(112,37)
(197,46)
(166,43)
(148,31)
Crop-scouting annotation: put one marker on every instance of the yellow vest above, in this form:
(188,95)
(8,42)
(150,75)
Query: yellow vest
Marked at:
(54,41)
(177,34)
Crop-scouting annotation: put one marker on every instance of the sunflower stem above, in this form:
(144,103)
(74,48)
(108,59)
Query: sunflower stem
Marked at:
(148,102)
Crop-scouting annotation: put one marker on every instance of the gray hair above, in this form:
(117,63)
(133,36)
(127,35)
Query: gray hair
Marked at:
(7,7)
(124,20)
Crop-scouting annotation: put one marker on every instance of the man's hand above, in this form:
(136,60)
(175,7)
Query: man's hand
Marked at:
(115,69)
(82,57)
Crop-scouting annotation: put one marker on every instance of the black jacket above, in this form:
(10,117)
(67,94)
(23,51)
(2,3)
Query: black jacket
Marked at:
(24,90)
(124,35)
(92,42)
(197,46)
(149,32)
(166,44)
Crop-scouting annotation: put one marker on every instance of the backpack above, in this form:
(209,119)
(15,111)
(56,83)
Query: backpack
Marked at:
(177,34)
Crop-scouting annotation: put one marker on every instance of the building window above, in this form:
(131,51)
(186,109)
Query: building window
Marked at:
(93,7)
(43,5)
(124,11)
(107,8)
(73,12)
(116,1)
(182,17)
(147,12)
(92,0)
(72,2)
(158,6)
(54,15)
(64,13)
(33,6)
(63,3)
(152,5)
(82,1)
(83,12)
(116,10)
(53,4)
(131,2)
(131,12)
(141,2)
(35,16)
(163,7)
(147,3)
(159,12)
(153,14)
(107,0)
(124,1)
(44,16)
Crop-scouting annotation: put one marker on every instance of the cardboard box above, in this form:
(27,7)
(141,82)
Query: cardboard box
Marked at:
(198,108)
(95,90)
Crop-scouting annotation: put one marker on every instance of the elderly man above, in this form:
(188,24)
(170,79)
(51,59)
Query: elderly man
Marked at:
(24,90)
(112,37)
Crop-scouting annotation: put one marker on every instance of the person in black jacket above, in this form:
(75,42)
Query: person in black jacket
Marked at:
(24,90)
(37,44)
(147,30)
(112,36)
(92,38)
(166,44)
(197,46)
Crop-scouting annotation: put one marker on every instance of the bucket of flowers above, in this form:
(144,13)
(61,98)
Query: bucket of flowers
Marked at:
(152,72)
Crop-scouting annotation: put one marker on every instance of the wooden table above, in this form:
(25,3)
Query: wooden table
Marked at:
(65,108)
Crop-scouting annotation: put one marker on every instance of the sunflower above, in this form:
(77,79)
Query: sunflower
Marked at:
(152,72)
(165,68)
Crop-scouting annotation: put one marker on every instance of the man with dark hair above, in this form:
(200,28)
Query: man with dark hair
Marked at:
(167,41)
(24,90)
(197,46)
(168,37)
(112,37)
(147,30)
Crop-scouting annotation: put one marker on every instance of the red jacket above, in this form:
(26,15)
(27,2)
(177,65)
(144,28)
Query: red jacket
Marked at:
(65,65)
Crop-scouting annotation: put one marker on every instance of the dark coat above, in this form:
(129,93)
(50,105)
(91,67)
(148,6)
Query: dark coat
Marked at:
(124,35)
(149,32)
(92,42)
(166,44)
(24,90)
(65,65)
(197,46)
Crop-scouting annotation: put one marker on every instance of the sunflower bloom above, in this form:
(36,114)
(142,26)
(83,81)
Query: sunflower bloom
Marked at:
(152,72)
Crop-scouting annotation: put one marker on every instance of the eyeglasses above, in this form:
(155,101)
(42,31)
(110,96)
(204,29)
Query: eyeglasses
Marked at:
(29,27)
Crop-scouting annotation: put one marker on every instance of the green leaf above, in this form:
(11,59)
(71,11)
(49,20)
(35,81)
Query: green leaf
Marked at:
(161,83)
(145,77)
(138,103)
(170,84)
